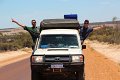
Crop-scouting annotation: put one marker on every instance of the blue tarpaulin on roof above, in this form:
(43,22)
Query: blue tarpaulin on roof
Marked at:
(70,16)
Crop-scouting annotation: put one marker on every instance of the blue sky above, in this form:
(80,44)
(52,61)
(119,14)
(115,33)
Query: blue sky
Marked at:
(25,10)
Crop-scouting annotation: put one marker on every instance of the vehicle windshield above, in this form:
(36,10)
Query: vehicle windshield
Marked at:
(58,41)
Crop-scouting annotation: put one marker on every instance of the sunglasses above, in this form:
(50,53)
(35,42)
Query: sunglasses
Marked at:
(86,23)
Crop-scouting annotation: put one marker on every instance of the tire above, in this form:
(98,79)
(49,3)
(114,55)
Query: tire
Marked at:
(80,76)
(36,75)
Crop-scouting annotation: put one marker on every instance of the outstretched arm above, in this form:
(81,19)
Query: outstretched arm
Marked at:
(96,28)
(18,23)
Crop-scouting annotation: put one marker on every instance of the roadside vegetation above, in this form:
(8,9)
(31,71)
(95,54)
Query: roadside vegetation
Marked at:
(14,42)
(107,34)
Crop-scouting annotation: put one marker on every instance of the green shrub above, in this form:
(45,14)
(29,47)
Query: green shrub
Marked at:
(14,42)
(106,34)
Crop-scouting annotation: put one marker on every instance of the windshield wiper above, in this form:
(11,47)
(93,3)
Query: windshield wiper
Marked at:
(73,46)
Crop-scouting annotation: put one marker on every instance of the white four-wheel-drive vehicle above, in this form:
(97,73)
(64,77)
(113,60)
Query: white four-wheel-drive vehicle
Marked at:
(58,50)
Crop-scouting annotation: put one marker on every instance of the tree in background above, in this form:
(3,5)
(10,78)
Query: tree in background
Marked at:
(114,19)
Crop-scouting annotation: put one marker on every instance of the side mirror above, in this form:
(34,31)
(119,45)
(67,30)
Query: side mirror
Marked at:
(83,46)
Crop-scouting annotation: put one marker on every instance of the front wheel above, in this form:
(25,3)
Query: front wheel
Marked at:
(80,76)
(36,75)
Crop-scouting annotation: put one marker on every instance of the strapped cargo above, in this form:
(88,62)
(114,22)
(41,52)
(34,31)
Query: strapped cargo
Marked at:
(59,24)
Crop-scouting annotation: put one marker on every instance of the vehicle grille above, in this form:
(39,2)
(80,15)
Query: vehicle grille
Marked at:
(57,58)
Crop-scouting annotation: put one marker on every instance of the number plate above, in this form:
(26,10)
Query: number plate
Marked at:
(56,65)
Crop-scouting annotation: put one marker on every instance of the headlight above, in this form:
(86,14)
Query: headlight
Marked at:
(37,59)
(78,58)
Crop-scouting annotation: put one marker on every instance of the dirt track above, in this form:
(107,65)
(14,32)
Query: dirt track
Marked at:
(99,67)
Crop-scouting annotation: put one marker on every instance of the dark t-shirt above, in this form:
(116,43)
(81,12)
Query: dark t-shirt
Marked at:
(84,32)
(33,32)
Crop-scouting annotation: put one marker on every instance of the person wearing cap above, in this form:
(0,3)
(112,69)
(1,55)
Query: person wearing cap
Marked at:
(86,30)
(32,30)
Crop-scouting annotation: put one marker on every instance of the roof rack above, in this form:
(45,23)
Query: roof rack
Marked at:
(59,24)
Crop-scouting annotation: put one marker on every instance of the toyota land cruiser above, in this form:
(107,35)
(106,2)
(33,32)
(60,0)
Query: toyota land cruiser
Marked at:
(58,50)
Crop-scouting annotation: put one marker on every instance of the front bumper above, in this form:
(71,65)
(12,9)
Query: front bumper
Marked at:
(67,67)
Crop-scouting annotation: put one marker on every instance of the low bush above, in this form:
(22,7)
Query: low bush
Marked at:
(14,42)
(106,34)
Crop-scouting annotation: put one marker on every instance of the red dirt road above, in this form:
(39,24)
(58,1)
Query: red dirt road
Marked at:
(97,67)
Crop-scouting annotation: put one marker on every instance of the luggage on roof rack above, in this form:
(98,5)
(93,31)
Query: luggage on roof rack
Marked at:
(59,24)
(70,16)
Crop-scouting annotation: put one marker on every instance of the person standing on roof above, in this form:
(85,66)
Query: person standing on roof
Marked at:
(32,30)
(86,30)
